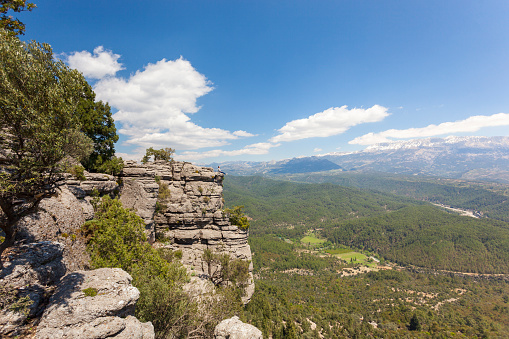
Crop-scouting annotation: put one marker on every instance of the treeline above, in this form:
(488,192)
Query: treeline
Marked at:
(427,237)
(472,196)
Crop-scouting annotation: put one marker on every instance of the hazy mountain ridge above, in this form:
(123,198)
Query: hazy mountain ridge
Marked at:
(472,157)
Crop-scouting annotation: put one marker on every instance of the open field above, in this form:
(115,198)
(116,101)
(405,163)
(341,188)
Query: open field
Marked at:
(311,239)
(353,257)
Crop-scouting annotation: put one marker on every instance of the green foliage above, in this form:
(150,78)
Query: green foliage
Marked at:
(11,300)
(415,324)
(90,292)
(290,209)
(164,191)
(488,198)
(78,172)
(223,270)
(97,123)
(428,237)
(38,129)
(112,166)
(7,22)
(117,239)
(160,154)
(292,285)
(237,217)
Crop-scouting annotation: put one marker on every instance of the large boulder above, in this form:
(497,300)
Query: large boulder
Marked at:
(233,328)
(94,304)
(29,272)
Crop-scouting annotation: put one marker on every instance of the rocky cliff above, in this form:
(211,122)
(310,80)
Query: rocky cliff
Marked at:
(188,215)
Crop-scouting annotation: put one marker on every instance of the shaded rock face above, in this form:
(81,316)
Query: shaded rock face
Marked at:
(233,328)
(189,217)
(30,270)
(60,217)
(93,304)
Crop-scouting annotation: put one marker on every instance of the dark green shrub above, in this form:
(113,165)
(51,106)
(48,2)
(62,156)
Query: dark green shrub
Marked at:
(237,217)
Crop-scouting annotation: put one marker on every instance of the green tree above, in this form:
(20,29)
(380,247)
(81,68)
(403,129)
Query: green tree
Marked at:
(97,123)
(237,217)
(7,22)
(415,324)
(38,128)
(158,154)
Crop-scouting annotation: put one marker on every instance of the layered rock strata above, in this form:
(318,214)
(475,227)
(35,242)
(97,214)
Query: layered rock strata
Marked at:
(189,214)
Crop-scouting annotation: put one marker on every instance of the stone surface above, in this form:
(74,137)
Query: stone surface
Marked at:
(29,271)
(191,217)
(59,218)
(233,328)
(74,313)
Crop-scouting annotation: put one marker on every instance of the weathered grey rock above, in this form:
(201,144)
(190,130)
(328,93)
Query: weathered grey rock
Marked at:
(29,271)
(191,218)
(60,218)
(233,328)
(73,313)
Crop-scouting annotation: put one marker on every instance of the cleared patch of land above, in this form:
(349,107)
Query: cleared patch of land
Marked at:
(311,239)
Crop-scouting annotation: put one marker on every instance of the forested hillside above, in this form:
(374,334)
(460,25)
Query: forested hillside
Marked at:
(302,235)
(490,199)
(278,204)
(400,229)
(426,237)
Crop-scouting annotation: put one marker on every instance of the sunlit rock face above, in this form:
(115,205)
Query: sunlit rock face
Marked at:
(188,215)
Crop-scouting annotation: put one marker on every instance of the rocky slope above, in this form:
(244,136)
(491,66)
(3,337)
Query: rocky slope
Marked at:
(189,214)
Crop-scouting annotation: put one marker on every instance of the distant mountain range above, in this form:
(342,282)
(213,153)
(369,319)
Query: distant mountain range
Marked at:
(471,158)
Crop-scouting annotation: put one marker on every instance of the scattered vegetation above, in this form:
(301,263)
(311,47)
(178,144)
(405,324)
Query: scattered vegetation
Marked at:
(117,239)
(90,292)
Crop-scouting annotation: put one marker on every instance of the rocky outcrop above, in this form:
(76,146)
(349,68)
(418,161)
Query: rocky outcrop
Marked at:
(60,217)
(233,328)
(82,304)
(189,214)
(29,272)
(93,304)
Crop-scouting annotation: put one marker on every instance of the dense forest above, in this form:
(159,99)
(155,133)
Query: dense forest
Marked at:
(303,291)
(490,199)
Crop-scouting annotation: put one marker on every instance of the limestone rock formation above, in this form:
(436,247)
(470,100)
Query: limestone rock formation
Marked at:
(93,304)
(189,212)
(30,270)
(60,217)
(233,328)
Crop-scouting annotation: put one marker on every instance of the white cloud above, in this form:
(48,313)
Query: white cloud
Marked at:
(471,124)
(253,149)
(333,121)
(154,103)
(243,134)
(317,150)
(97,66)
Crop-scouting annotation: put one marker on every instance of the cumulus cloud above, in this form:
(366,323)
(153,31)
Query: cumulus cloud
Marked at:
(98,65)
(333,121)
(154,104)
(471,124)
(253,149)
(317,150)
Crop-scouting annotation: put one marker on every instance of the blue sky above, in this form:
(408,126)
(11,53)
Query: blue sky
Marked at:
(263,80)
